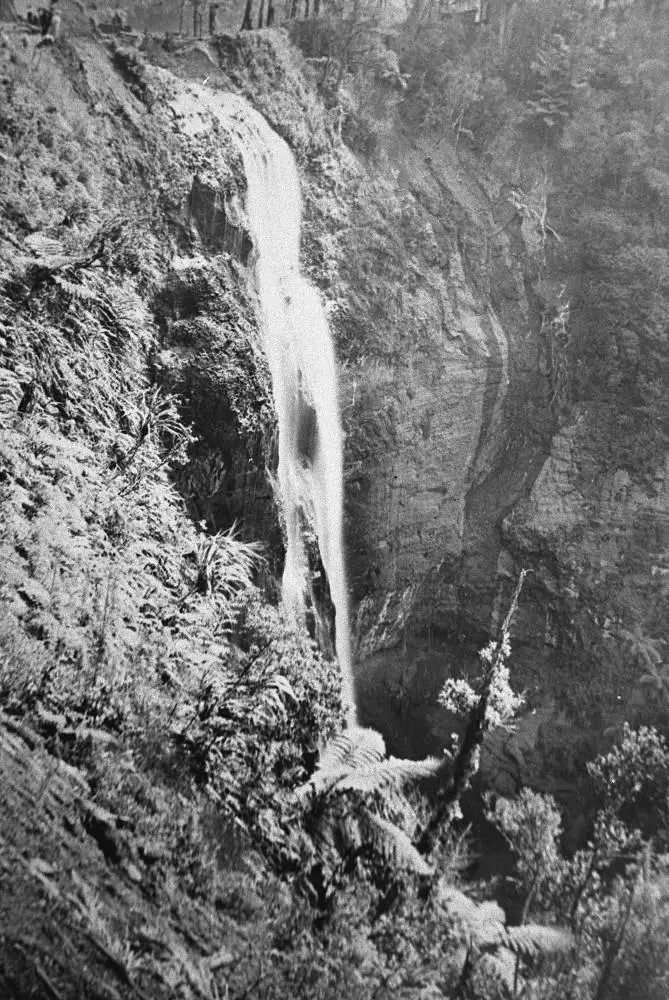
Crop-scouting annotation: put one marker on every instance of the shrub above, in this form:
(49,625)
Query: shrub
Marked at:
(632,780)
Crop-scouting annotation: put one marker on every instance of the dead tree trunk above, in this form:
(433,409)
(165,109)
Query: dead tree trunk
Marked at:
(466,761)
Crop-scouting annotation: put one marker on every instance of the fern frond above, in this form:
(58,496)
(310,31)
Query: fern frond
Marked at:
(484,921)
(356,747)
(391,773)
(44,246)
(11,393)
(530,940)
(226,564)
(394,845)
(78,291)
(53,256)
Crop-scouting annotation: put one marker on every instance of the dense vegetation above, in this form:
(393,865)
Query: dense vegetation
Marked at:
(139,639)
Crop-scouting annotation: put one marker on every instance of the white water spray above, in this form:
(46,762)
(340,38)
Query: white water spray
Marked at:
(301,358)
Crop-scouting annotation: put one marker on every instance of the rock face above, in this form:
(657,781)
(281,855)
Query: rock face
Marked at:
(462,469)
(439,365)
(446,409)
(218,219)
(440,383)
(595,624)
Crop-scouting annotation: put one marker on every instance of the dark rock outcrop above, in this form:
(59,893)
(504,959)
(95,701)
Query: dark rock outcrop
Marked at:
(218,220)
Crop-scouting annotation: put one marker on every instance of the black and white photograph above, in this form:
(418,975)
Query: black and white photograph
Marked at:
(334,499)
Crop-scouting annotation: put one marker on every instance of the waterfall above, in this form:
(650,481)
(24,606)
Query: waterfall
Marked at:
(299,349)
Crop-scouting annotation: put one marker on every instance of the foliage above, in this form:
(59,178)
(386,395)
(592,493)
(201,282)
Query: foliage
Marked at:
(356,761)
(225,564)
(491,704)
(458,696)
(485,931)
(264,66)
(357,816)
(212,362)
(550,103)
(250,730)
(632,780)
(531,824)
(641,964)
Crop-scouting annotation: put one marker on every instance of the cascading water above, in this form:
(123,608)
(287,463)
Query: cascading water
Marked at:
(302,363)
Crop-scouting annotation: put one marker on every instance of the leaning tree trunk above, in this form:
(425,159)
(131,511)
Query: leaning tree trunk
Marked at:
(262,11)
(466,762)
(247,23)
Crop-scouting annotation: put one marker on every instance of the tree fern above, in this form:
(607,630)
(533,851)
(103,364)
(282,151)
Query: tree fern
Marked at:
(356,812)
(115,239)
(482,922)
(355,762)
(395,846)
(44,246)
(532,940)
(485,930)
(377,777)
(356,747)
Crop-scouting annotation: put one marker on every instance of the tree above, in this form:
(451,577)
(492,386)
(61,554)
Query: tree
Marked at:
(492,703)
(531,824)
(632,780)
(355,813)
(247,22)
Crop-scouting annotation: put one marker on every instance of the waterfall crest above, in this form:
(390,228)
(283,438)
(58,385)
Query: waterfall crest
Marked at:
(301,358)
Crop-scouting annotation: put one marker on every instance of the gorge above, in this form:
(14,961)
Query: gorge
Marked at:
(282,349)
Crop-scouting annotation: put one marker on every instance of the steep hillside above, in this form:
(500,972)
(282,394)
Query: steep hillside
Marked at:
(153,702)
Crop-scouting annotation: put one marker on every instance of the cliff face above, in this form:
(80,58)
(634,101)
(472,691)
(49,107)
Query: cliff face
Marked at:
(595,626)
(446,401)
(466,464)
(444,404)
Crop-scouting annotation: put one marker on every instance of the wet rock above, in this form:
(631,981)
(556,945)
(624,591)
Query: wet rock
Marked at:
(219,220)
